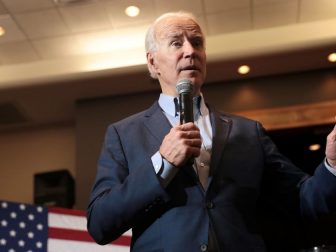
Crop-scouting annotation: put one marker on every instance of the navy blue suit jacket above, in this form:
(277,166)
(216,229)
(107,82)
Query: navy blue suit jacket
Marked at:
(247,171)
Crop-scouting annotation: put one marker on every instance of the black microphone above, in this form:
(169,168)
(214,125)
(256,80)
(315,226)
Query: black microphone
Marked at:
(185,90)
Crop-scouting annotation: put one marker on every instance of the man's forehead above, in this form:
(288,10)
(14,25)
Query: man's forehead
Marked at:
(174,27)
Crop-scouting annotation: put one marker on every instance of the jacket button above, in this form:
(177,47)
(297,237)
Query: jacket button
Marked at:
(209,205)
(204,247)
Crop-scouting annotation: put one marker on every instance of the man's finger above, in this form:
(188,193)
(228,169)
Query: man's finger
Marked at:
(195,142)
(192,134)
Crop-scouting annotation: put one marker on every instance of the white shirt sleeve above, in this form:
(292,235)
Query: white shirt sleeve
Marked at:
(164,170)
(332,170)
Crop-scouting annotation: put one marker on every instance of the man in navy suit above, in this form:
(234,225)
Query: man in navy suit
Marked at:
(145,183)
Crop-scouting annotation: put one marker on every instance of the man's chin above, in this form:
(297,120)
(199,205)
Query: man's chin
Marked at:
(194,76)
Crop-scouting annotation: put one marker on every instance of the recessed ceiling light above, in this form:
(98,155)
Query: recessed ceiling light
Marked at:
(314,147)
(244,69)
(2,31)
(332,57)
(132,11)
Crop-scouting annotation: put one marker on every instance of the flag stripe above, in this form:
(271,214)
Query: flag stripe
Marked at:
(58,210)
(55,245)
(67,234)
(67,221)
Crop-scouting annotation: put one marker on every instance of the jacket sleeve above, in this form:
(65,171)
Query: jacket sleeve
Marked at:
(316,194)
(121,196)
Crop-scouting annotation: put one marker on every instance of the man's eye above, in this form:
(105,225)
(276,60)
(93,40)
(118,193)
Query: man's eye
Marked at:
(198,43)
(176,44)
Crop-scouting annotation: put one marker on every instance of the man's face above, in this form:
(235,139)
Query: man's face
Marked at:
(180,54)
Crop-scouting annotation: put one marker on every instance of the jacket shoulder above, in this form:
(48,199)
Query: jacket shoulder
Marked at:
(235,118)
(135,118)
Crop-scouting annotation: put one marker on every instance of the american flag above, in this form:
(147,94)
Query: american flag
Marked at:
(31,228)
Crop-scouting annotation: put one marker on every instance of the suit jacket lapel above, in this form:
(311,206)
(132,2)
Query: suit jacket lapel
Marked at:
(221,126)
(157,123)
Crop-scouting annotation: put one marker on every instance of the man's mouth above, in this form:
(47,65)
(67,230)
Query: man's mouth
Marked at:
(190,68)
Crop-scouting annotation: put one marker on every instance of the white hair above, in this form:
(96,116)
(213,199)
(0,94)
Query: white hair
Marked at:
(151,43)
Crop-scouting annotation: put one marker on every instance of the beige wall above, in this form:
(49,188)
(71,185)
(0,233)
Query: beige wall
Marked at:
(28,151)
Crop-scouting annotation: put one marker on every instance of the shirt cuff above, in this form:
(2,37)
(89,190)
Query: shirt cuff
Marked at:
(328,166)
(163,169)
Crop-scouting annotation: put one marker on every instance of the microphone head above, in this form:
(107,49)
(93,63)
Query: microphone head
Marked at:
(184,86)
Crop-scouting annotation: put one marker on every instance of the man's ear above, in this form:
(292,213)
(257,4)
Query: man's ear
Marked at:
(151,62)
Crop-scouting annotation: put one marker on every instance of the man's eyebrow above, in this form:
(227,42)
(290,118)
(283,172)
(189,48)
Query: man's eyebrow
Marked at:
(198,35)
(174,35)
(177,35)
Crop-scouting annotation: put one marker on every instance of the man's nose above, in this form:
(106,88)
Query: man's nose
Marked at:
(189,49)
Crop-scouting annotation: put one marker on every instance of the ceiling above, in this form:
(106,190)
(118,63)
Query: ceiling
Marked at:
(55,54)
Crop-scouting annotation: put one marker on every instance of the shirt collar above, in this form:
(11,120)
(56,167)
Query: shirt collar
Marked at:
(169,104)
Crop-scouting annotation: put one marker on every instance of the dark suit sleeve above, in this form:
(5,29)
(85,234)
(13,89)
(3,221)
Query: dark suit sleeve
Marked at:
(316,195)
(121,195)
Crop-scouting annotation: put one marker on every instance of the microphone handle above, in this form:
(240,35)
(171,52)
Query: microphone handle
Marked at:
(186,108)
(187,114)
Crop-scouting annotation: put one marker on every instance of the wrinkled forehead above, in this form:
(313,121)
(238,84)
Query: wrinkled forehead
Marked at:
(177,26)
